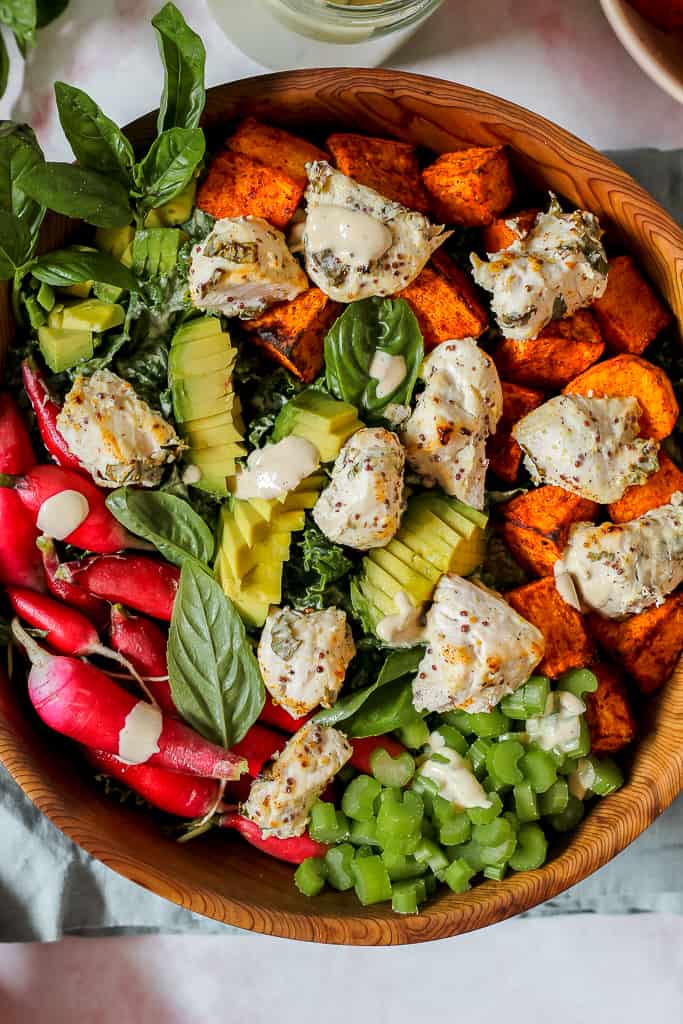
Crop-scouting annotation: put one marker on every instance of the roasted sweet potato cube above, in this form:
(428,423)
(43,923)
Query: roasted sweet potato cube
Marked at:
(567,644)
(630,313)
(563,350)
(647,645)
(632,375)
(504,454)
(444,301)
(470,186)
(293,333)
(657,490)
(275,148)
(390,167)
(536,525)
(503,231)
(608,712)
(238,186)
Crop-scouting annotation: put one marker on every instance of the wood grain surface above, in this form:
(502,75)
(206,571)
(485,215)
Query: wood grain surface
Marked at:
(218,875)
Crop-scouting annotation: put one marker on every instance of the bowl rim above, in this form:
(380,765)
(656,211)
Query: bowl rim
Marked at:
(610,826)
(621,17)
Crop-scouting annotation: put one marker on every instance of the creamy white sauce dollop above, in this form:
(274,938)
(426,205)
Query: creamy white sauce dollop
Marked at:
(277,469)
(355,237)
(389,372)
(63,513)
(454,777)
(559,727)
(406,627)
(139,738)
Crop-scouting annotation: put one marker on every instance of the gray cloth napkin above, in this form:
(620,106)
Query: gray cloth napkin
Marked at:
(49,887)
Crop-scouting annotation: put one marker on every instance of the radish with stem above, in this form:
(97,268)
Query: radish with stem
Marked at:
(46,411)
(94,608)
(145,584)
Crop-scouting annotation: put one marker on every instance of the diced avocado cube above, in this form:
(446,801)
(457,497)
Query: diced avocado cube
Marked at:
(107,292)
(36,314)
(45,296)
(175,211)
(265,507)
(80,290)
(264,581)
(240,557)
(251,524)
(300,500)
(290,521)
(115,241)
(56,315)
(62,348)
(94,315)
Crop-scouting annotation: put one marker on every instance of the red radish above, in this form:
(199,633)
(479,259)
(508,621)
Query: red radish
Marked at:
(144,584)
(258,747)
(291,850)
(275,715)
(16,450)
(362,750)
(186,796)
(47,411)
(143,644)
(20,562)
(99,531)
(77,700)
(94,608)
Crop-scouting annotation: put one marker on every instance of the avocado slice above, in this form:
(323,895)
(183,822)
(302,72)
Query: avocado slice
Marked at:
(63,348)
(403,553)
(190,403)
(175,211)
(200,327)
(107,292)
(80,290)
(401,575)
(45,297)
(92,314)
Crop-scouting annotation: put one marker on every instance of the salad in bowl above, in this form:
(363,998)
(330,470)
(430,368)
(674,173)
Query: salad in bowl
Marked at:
(341,494)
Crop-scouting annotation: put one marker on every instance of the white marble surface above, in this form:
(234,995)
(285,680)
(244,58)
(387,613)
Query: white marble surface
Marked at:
(561,59)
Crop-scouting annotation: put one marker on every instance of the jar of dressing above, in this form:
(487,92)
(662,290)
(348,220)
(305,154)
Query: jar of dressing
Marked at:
(320,33)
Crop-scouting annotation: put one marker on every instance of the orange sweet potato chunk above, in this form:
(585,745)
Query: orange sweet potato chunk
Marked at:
(275,148)
(657,490)
(392,168)
(631,375)
(647,645)
(536,525)
(237,186)
(630,313)
(567,644)
(608,712)
(293,333)
(500,233)
(504,454)
(470,186)
(563,350)
(445,303)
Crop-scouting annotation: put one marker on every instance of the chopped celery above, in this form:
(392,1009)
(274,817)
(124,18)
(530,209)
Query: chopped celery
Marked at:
(458,874)
(431,854)
(502,761)
(538,768)
(328,825)
(454,739)
(532,848)
(526,804)
(528,701)
(358,801)
(483,815)
(310,876)
(364,833)
(583,747)
(608,777)
(455,831)
(477,754)
(392,771)
(338,861)
(371,878)
(496,872)
(407,896)
(484,724)
(399,820)
(570,817)
(496,841)
(401,867)
(555,799)
(414,734)
(578,681)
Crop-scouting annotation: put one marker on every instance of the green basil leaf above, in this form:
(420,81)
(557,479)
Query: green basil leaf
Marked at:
(396,665)
(183,55)
(15,243)
(215,680)
(79,192)
(71,266)
(169,165)
(19,153)
(364,328)
(48,10)
(170,523)
(384,711)
(20,18)
(96,141)
(4,66)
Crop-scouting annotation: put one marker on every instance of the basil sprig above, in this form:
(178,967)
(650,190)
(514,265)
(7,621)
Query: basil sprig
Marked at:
(215,680)
(183,56)
(109,188)
(65,267)
(367,711)
(169,522)
(365,328)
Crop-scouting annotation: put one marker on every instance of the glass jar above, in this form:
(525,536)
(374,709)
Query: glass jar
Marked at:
(320,33)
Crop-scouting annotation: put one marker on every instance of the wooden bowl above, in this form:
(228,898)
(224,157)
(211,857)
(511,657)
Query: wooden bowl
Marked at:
(219,875)
(657,52)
